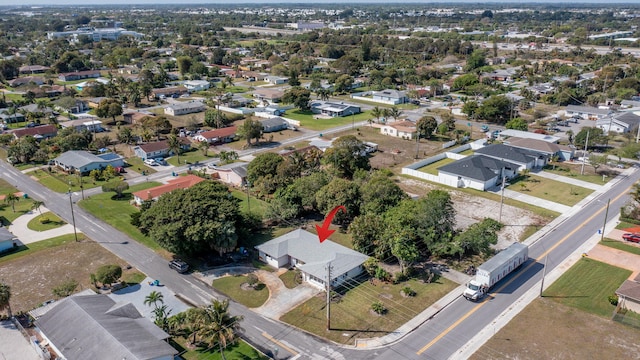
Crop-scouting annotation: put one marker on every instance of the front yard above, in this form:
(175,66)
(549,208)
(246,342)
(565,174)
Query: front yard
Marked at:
(551,190)
(61,182)
(574,169)
(307,120)
(236,288)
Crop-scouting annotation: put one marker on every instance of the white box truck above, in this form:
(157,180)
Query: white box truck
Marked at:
(496,268)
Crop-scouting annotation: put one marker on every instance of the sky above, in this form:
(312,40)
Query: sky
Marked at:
(182,2)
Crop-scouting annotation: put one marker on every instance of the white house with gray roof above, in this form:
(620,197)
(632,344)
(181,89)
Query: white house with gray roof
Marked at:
(389,96)
(523,158)
(334,109)
(476,172)
(184,108)
(85,161)
(622,122)
(98,328)
(303,250)
(586,112)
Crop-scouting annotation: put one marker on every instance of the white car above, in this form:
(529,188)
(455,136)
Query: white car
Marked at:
(150,162)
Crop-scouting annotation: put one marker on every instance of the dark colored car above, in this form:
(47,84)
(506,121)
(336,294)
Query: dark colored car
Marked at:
(179,266)
(632,237)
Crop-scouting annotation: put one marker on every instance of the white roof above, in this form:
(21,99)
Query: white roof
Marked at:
(529,135)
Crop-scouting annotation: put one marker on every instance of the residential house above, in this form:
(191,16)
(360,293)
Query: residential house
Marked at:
(78,107)
(173,91)
(95,102)
(276,80)
(301,249)
(7,240)
(400,129)
(96,327)
(84,124)
(154,193)
(389,96)
(501,74)
(217,136)
(477,172)
(269,95)
(11,118)
(523,158)
(234,174)
(135,116)
(506,134)
(35,109)
(84,161)
(184,108)
(274,124)
(622,122)
(159,149)
(37,80)
(586,112)
(38,132)
(33,69)
(334,109)
(563,152)
(629,295)
(196,85)
(79,75)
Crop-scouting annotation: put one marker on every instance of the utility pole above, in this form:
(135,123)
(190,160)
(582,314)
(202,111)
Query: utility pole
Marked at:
(544,271)
(73,218)
(417,143)
(329,296)
(584,156)
(504,178)
(606,214)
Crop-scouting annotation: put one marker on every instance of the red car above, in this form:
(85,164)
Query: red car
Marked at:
(632,237)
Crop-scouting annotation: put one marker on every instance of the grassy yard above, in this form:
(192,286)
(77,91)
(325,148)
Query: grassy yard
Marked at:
(238,351)
(231,286)
(138,165)
(573,170)
(433,167)
(258,206)
(587,285)
(289,278)
(22,206)
(40,245)
(351,317)
(550,190)
(117,212)
(625,225)
(190,157)
(620,246)
(60,182)
(53,222)
(308,122)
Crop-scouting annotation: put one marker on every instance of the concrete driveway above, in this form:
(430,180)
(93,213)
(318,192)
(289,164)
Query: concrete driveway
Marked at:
(13,345)
(26,236)
(136,294)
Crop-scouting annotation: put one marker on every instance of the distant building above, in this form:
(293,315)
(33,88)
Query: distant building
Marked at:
(400,129)
(334,109)
(79,75)
(174,91)
(152,194)
(392,97)
(184,108)
(274,124)
(586,112)
(84,161)
(234,174)
(159,149)
(38,132)
(217,136)
(196,85)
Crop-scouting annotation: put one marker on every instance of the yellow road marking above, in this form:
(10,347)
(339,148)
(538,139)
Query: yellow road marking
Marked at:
(470,312)
(290,350)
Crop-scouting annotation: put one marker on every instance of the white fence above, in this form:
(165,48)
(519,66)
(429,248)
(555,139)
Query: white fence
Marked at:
(412,169)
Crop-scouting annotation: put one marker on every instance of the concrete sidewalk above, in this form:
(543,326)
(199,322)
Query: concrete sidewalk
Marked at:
(20,229)
(568,180)
(282,299)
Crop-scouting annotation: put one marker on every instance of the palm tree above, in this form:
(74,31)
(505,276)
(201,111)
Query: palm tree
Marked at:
(376,112)
(36,205)
(5,297)
(174,145)
(11,199)
(216,325)
(154,298)
(395,113)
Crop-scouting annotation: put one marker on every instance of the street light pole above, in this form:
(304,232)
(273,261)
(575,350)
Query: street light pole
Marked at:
(73,218)
(544,272)
(504,178)
(606,214)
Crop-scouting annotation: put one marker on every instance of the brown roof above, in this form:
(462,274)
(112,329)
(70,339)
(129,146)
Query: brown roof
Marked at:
(269,93)
(170,90)
(219,133)
(37,130)
(183,182)
(406,126)
(533,144)
(629,289)
(81,73)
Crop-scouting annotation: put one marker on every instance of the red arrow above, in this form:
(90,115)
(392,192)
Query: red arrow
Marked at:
(324,232)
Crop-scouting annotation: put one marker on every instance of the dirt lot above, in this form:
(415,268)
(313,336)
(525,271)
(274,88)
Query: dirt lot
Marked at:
(548,330)
(471,209)
(33,276)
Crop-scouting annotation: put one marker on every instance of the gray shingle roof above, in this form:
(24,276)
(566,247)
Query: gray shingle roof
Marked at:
(306,247)
(5,235)
(96,327)
(509,153)
(477,167)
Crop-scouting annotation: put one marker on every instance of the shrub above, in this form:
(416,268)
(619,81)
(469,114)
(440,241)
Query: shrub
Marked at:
(44,220)
(252,279)
(370,266)
(613,299)
(378,307)
(108,274)
(407,291)
(382,274)
(65,289)
(400,277)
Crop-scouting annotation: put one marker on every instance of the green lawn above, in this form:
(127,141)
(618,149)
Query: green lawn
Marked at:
(351,317)
(587,285)
(289,278)
(567,171)
(620,246)
(625,225)
(238,351)
(308,122)
(433,167)
(22,206)
(40,245)
(230,286)
(117,213)
(53,222)
(60,182)
(190,157)
(138,165)
(550,190)
(258,206)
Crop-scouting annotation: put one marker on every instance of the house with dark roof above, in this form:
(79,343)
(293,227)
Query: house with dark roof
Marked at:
(477,172)
(79,75)
(523,158)
(586,112)
(38,132)
(96,327)
(168,92)
(217,136)
(11,118)
(563,152)
(182,182)
(303,250)
(622,122)
(334,109)
(159,149)
(33,69)
(234,174)
(274,124)
(84,161)
(629,295)
(37,80)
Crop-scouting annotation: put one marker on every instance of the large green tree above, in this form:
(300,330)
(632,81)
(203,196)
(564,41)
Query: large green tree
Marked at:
(380,193)
(340,192)
(297,96)
(346,156)
(426,126)
(199,219)
(250,129)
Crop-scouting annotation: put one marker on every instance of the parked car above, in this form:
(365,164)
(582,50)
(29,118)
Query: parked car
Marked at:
(179,266)
(484,128)
(150,162)
(631,237)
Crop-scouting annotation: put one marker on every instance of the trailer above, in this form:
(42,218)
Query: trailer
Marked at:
(495,269)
